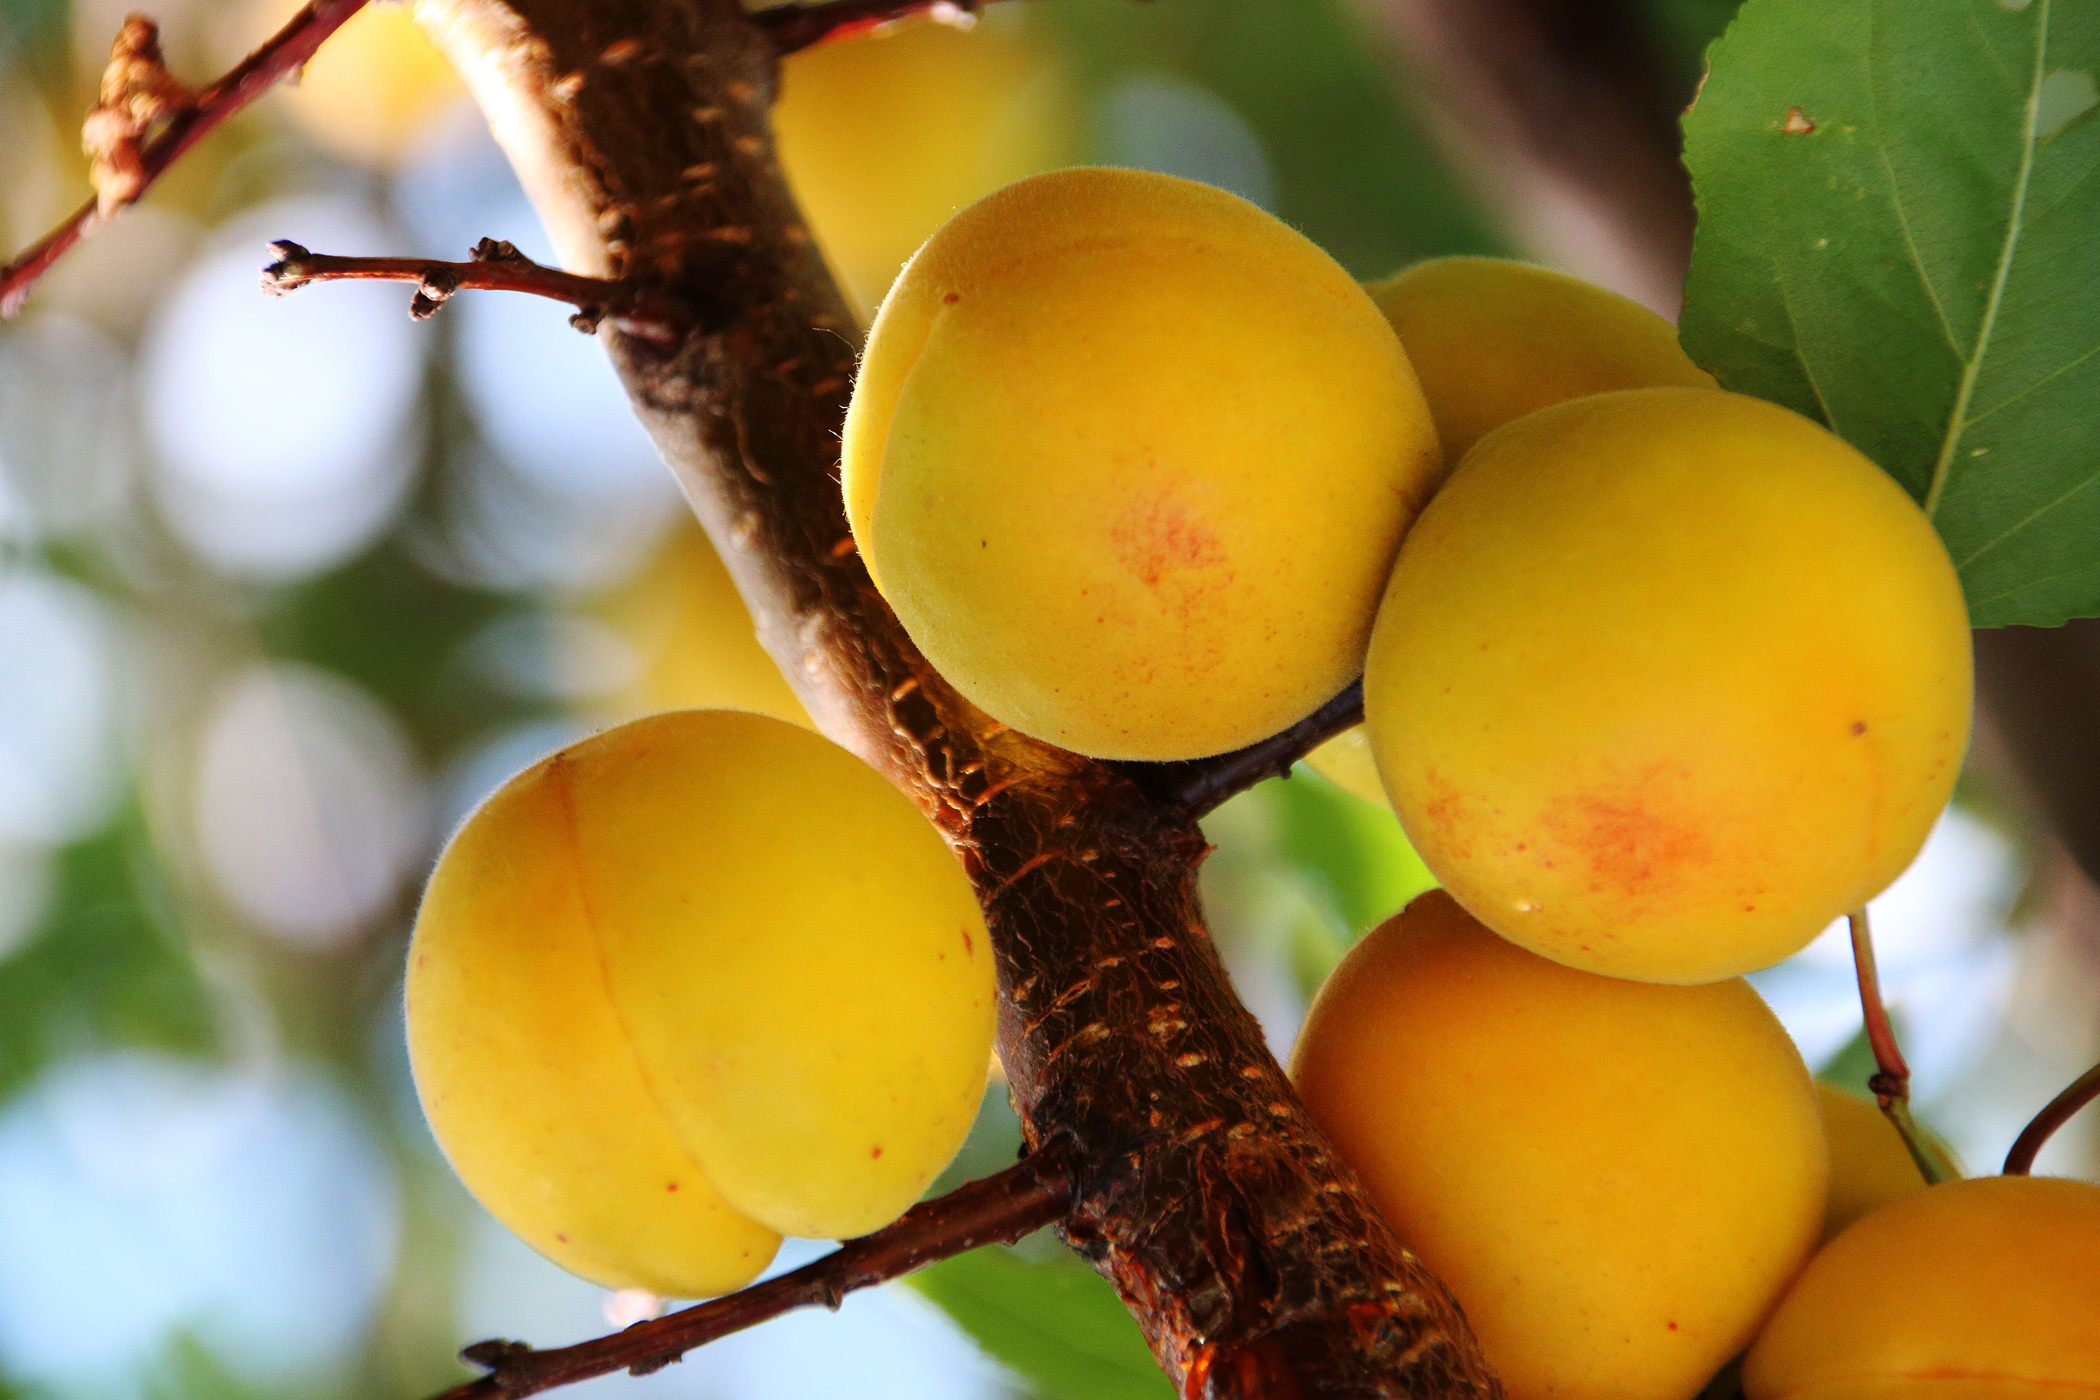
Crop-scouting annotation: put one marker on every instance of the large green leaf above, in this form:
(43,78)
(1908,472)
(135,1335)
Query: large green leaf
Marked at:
(1899,235)
(1055,1323)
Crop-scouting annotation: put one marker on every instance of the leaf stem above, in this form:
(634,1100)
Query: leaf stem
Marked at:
(2084,1090)
(1891,1081)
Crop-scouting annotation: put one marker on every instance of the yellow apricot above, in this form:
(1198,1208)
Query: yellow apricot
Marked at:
(1869,1165)
(704,953)
(1345,760)
(1616,1179)
(373,90)
(690,630)
(883,136)
(1986,1289)
(1666,680)
(1493,340)
(1130,458)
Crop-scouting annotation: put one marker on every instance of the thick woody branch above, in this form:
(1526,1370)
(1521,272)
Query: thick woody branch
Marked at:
(138,96)
(2084,1090)
(1199,785)
(793,27)
(999,1209)
(496,267)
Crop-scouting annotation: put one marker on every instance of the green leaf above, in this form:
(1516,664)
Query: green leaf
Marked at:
(1897,210)
(1056,1323)
(1351,851)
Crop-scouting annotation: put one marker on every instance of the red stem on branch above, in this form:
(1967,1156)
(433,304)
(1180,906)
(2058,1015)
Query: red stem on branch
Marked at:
(1891,1081)
(999,1209)
(2084,1090)
(281,54)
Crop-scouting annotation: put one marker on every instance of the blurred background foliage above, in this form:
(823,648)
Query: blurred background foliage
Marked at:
(287,586)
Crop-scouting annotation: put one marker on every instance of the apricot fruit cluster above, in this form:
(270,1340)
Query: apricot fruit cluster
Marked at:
(692,984)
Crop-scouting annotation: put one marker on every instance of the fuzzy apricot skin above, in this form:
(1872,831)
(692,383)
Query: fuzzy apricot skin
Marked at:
(691,984)
(1616,1179)
(1130,459)
(1666,680)
(1987,1289)
(1493,340)
(1869,1165)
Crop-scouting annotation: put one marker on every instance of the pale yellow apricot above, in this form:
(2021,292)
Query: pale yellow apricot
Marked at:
(1493,340)
(692,636)
(1130,459)
(373,91)
(1616,1179)
(708,938)
(1666,680)
(1345,760)
(1869,1165)
(1986,1289)
(885,135)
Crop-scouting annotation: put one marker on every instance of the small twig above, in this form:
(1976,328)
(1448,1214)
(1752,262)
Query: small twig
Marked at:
(1025,1197)
(1891,1081)
(793,27)
(138,93)
(1198,785)
(496,267)
(2084,1090)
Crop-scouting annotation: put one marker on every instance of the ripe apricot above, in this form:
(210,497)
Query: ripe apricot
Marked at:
(884,135)
(1616,1179)
(1130,458)
(1493,340)
(1986,1289)
(1345,760)
(1666,680)
(693,983)
(1869,1165)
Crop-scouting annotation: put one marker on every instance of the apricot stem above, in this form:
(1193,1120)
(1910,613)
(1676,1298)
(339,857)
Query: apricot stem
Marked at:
(1891,1081)
(1196,786)
(284,52)
(2084,1090)
(1034,1192)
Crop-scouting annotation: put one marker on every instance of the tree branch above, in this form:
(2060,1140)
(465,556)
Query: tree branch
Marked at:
(496,267)
(138,94)
(999,1209)
(2084,1090)
(793,27)
(1198,786)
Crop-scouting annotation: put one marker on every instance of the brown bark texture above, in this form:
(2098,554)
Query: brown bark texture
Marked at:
(1248,1252)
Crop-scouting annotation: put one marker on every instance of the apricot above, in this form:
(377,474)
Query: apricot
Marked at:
(885,135)
(1345,760)
(1986,1289)
(1616,1179)
(692,636)
(1666,680)
(375,91)
(1493,340)
(1130,458)
(1869,1165)
(693,983)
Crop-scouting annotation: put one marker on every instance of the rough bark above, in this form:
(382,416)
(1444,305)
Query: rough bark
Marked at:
(1247,1251)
